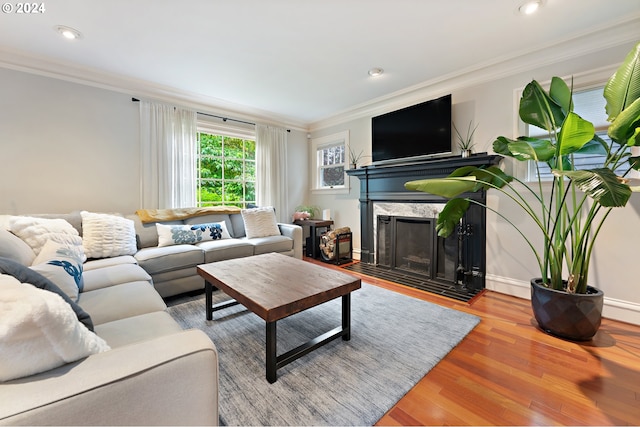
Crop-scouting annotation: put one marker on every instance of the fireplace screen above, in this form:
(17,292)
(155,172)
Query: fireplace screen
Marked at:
(411,245)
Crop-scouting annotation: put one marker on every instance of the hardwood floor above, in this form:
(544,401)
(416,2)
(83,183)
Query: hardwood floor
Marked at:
(508,372)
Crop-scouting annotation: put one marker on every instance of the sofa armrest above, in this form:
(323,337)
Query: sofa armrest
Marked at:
(168,380)
(295,232)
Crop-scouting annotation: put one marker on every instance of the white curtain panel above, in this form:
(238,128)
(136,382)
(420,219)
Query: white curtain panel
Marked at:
(271,170)
(168,153)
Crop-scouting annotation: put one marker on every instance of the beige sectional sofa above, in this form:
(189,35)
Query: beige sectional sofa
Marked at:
(173,268)
(152,372)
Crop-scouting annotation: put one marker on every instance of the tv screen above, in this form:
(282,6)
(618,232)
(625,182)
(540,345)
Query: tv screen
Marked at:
(417,131)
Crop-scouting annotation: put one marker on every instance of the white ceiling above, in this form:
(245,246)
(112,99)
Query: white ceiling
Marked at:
(297,61)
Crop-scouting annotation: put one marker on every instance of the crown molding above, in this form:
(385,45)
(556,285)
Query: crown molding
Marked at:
(588,42)
(142,89)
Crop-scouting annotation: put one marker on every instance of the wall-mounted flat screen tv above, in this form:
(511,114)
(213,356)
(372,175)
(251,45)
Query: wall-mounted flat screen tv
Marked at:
(419,131)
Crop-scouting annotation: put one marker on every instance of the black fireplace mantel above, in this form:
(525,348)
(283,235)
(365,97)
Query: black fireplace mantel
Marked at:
(385,183)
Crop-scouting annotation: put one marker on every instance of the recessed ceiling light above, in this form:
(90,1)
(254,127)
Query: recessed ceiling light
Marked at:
(375,72)
(68,32)
(530,7)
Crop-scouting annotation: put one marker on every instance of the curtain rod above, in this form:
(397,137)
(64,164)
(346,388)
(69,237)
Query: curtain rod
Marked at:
(224,119)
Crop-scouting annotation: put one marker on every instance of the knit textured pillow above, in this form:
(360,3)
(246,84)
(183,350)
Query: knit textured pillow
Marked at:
(106,235)
(260,222)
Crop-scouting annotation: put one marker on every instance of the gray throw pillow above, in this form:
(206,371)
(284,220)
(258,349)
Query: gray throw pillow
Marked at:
(27,275)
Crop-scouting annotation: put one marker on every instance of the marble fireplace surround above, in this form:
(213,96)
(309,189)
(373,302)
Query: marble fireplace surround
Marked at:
(411,210)
(382,192)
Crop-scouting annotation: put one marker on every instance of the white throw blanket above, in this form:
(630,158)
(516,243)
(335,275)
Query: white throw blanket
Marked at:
(39,331)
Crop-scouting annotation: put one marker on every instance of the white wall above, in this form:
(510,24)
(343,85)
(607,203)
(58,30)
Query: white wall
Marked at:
(510,264)
(67,146)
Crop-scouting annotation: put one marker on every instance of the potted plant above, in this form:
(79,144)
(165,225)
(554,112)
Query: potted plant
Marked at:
(465,143)
(354,158)
(571,213)
(311,210)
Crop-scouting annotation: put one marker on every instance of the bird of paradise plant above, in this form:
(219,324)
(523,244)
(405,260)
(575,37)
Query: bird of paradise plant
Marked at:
(569,216)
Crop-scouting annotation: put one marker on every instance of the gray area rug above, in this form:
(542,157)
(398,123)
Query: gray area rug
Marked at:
(395,341)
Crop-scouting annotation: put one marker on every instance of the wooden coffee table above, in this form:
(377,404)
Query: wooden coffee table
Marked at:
(275,286)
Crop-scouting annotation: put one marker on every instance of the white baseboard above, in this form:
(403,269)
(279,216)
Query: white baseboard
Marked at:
(614,309)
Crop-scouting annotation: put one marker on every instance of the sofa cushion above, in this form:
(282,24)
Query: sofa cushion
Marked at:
(260,222)
(114,275)
(39,331)
(106,262)
(263,245)
(191,233)
(62,264)
(137,328)
(225,249)
(121,301)
(238,225)
(13,247)
(37,231)
(105,235)
(26,275)
(168,258)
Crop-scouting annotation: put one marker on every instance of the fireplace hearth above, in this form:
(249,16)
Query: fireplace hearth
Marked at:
(398,233)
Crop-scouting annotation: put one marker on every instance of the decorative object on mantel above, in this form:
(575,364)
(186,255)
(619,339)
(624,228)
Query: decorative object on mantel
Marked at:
(465,143)
(571,217)
(355,158)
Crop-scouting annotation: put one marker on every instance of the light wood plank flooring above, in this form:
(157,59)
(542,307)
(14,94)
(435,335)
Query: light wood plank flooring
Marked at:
(508,372)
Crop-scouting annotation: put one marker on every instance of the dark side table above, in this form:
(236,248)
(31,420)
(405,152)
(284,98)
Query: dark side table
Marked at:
(316,228)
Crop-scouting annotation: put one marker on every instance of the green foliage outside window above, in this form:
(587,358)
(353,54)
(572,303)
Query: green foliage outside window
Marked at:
(226,171)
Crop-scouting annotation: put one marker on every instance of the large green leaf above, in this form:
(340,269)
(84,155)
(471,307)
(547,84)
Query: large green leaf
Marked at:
(596,146)
(444,187)
(624,128)
(525,148)
(450,216)
(501,146)
(574,134)
(539,109)
(561,94)
(602,185)
(623,88)
(491,177)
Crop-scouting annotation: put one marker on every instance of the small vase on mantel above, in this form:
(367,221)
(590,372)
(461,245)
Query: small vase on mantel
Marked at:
(466,153)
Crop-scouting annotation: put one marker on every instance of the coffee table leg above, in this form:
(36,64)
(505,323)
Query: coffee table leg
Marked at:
(272,375)
(346,316)
(208,299)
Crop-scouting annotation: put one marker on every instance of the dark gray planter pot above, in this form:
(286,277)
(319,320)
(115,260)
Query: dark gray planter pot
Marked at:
(573,316)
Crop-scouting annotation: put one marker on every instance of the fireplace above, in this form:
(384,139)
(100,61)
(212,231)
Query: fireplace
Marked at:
(398,226)
(412,246)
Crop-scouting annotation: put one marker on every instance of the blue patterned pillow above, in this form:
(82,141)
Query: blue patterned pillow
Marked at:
(191,233)
(62,264)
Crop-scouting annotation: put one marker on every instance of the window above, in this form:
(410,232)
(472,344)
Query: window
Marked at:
(590,105)
(226,169)
(330,162)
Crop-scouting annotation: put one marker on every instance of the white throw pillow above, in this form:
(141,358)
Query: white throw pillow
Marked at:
(39,331)
(106,236)
(37,231)
(189,234)
(260,222)
(62,264)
